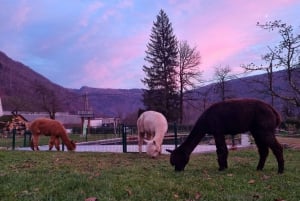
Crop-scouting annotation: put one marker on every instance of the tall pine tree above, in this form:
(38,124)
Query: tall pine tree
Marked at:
(160,80)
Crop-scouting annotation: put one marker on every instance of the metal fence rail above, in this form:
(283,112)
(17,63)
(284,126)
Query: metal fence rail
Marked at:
(125,140)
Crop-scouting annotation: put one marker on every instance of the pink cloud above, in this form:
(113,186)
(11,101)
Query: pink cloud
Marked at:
(100,37)
(221,36)
(108,14)
(125,4)
(103,73)
(20,16)
(118,64)
(90,10)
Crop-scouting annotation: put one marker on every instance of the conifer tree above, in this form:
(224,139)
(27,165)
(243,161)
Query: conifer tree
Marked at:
(160,72)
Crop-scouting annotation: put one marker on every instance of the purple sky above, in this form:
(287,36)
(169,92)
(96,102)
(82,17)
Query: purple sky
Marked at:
(102,44)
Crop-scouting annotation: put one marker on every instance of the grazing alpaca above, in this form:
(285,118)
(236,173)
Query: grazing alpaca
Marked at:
(233,117)
(52,128)
(154,126)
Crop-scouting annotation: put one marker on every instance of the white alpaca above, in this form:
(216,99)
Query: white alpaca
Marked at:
(152,125)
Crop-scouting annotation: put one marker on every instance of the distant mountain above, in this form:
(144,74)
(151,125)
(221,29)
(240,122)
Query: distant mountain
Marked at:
(19,85)
(255,86)
(246,87)
(112,102)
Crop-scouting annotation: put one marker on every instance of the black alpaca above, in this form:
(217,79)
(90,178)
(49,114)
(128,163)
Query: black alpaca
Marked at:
(233,117)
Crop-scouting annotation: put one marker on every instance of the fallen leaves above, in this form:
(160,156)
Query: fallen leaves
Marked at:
(251,181)
(263,178)
(197,196)
(266,177)
(129,192)
(176,196)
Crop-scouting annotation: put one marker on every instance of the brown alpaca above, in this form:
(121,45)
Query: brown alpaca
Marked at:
(52,128)
(233,117)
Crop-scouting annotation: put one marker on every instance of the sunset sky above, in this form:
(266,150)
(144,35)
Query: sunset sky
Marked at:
(102,44)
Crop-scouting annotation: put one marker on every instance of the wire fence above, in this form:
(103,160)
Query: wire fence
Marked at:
(123,139)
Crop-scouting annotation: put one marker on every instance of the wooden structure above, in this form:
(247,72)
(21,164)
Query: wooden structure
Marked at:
(86,115)
(14,121)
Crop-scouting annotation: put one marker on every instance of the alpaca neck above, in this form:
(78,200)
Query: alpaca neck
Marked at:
(193,139)
(66,141)
(158,139)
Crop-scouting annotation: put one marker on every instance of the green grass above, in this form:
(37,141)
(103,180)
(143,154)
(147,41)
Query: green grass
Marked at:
(117,176)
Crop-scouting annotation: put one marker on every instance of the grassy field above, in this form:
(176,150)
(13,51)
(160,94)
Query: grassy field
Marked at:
(116,176)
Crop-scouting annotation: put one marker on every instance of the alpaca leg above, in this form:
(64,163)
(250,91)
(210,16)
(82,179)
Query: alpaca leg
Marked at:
(34,143)
(263,151)
(140,141)
(263,148)
(51,142)
(278,152)
(57,142)
(222,151)
(31,144)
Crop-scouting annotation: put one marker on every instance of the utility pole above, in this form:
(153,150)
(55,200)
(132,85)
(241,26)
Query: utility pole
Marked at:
(86,102)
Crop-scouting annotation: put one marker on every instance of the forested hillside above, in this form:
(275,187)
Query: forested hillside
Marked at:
(22,89)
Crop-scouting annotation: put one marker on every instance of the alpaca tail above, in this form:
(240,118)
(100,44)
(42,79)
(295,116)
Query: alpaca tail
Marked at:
(69,143)
(278,118)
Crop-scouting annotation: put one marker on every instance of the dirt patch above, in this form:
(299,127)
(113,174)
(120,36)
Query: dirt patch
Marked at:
(290,142)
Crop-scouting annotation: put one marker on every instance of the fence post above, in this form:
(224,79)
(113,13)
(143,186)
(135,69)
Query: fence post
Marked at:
(175,135)
(86,137)
(14,131)
(124,139)
(24,143)
(26,133)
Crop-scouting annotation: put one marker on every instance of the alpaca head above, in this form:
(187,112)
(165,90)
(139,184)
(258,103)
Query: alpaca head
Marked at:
(152,148)
(72,146)
(179,159)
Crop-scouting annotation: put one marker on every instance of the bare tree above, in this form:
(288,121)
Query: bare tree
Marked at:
(189,72)
(204,97)
(222,74)
(49,100)
(16,103)
(267,86)
(285,55)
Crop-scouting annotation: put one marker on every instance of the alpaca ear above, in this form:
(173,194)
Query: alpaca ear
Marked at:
(169,150)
